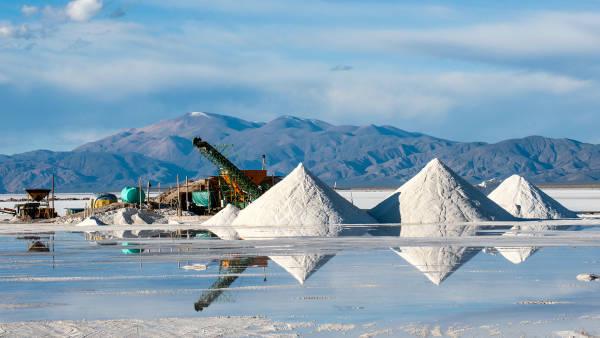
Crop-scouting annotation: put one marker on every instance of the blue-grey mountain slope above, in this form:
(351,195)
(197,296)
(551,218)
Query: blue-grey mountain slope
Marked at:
(349,155)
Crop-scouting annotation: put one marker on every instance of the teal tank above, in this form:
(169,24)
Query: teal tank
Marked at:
(132,195)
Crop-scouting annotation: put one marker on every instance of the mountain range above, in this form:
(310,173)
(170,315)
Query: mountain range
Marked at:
(345,155)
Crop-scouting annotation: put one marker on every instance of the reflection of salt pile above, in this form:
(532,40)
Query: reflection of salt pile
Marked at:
(523,199)
(437,263)
(299,205)
(436,194)
(222,222)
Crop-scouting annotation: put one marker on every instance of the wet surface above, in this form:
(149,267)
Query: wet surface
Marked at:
(407,288)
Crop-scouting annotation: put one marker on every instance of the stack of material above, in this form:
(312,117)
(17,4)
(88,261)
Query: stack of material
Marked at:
(220,224)
(436,194)
(299,205)
(523,199)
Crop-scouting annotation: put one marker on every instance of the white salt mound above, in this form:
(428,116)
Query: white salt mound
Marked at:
(92,220)
(222,223)
(388,210)
(436,263)
(488,186)
(299,205)
(523,199)
(436,194)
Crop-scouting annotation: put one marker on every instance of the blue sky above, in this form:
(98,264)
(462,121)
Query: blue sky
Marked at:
(74,71)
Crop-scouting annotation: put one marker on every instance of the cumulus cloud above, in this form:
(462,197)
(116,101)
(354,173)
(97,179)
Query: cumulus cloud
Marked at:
(83,10)
(28,10)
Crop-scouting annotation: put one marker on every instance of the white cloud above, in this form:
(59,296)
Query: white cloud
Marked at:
(28,10)
(83,10)
(8,30)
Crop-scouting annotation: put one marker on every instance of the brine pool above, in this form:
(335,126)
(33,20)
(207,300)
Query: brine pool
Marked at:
(184,288)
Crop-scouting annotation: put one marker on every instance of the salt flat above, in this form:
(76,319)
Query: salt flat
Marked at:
(362,288)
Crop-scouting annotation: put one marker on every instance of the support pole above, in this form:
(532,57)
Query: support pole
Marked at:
(187,194)
(178,197)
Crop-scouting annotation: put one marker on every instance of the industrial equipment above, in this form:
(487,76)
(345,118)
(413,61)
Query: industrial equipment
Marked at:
(233,185)
(38,207)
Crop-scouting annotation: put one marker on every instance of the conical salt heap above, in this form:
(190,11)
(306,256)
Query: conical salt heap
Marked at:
(299,205)
(523,199)
(435,195)
(222,223)
(436,263)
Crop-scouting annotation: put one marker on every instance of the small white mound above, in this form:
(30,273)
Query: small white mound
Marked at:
(299,205)
(92,220)
(587,277)
(523,199)
(436,194)
(222,223)
(488,186)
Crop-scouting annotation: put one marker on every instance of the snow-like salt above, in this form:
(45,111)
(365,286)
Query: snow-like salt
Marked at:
(222,223)
(302,205)
(437,194)
(523,199)
(92,220)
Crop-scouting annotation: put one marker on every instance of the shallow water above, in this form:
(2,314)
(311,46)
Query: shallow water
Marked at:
(407,290)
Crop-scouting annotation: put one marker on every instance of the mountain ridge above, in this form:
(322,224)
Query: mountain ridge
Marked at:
(369,155)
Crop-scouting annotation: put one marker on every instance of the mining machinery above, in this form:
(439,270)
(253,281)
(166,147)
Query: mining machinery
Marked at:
(236,186)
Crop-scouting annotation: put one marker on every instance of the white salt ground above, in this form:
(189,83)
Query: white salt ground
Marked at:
(437,194)
(523,199)
(222,223)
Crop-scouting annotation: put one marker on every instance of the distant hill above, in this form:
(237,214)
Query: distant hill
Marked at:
(348,155)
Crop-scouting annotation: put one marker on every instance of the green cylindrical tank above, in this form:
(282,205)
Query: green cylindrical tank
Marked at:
(132,195)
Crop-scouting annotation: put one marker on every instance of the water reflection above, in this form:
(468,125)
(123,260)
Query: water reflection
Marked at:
(437,263)
(231,269)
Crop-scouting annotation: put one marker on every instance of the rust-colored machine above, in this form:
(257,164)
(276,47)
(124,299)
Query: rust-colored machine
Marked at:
(38,206)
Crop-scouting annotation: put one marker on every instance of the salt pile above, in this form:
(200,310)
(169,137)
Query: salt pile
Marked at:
(436,263)
(92,220)
(436,194)
(299,205)
(488,186)
(222,223)
(523,199)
